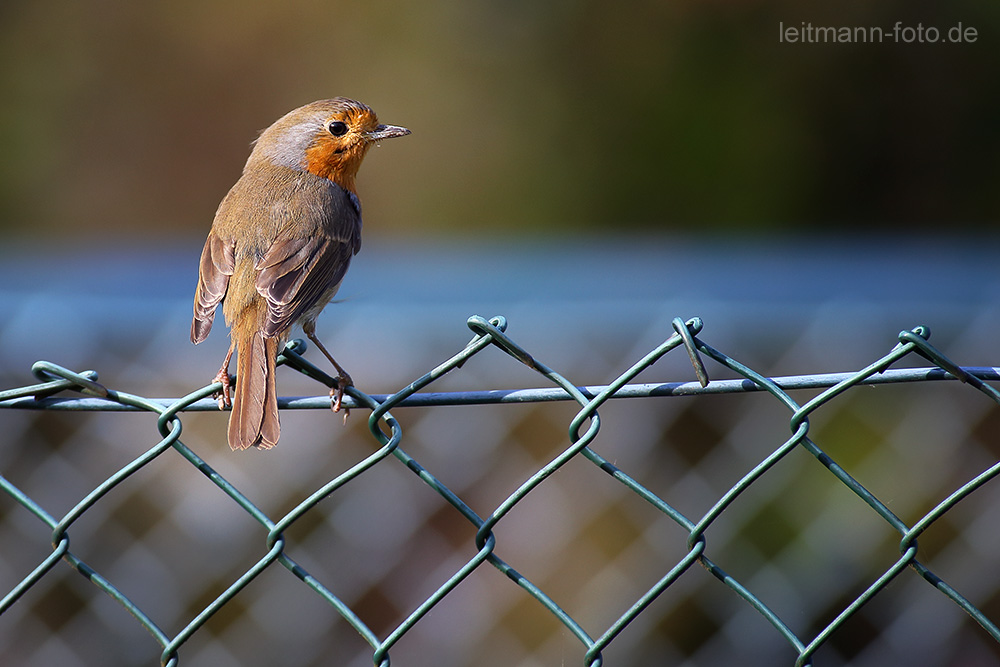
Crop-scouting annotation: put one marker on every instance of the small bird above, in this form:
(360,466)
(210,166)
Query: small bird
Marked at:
(279,246)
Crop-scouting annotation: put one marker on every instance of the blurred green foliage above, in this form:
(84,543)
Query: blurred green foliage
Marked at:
(545,117)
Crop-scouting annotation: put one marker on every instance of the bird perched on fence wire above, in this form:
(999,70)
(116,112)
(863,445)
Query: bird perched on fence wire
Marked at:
(279,246)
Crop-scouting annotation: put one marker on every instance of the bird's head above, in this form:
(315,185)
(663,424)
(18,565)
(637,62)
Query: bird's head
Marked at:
(328,138)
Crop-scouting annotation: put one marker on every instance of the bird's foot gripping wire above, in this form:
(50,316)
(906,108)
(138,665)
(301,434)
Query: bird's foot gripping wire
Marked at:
(337,395)
(225,395)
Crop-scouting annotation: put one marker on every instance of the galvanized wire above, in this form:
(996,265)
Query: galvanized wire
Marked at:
(583,429)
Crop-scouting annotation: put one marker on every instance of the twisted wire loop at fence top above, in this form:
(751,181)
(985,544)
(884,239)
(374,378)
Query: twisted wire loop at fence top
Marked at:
(583,430)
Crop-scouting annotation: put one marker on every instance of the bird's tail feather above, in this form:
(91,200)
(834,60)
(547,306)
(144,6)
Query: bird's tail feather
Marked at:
(254,419)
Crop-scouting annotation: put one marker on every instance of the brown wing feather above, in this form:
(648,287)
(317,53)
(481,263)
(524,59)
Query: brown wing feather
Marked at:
(217,264)
(296,273)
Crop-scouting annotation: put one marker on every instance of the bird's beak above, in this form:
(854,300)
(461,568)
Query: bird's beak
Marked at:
(386,132)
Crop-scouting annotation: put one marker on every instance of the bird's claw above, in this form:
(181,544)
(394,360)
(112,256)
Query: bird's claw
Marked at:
(337,395)
(224,396)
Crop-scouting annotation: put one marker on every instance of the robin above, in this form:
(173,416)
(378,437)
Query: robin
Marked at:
(279,246)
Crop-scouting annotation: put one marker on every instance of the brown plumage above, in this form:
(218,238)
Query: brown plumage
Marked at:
(278,249)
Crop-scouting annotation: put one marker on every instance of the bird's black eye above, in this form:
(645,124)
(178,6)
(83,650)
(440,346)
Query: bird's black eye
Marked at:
(337,128)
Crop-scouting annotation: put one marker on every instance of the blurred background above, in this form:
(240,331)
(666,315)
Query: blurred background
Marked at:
(588,171)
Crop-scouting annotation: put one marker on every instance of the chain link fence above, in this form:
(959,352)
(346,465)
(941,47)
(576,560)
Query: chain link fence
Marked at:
(827,519)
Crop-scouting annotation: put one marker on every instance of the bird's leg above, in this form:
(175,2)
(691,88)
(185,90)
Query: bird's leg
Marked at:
(343,379)
(224,395)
